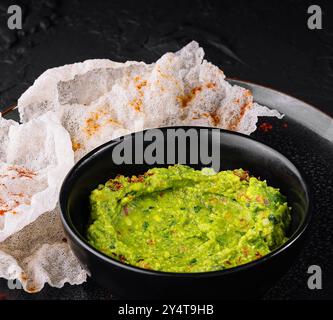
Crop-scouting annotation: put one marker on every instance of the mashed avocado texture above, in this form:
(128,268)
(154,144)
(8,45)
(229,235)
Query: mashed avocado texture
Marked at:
(178,219)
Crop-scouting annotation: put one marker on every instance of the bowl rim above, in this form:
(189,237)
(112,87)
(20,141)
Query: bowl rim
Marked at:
(80,239)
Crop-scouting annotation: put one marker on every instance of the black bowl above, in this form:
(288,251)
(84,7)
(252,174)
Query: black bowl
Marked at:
(246,281)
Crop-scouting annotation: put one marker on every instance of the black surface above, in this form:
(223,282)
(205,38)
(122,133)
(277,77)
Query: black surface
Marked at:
(264,41)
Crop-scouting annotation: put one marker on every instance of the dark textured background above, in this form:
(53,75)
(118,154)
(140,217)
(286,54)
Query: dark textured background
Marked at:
(263,41)
(266,42)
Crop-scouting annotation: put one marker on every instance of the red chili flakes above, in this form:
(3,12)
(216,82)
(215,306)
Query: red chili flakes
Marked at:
(117,185)
(134,179)
(136,104)
(114,185)
(20,194)
(141,178)
(76,145)
(24,277)
(141,84)
(151,242)
(196,90)
(186,99)
(265,127)
(64,239)
(23,172)
(122,258)
(215,118)
(92,125)
(243,176)
(258,255)
(96,120)
(211,85)
(243,108)
(4,207)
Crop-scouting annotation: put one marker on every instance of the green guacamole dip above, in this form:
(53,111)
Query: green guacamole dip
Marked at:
(178,219)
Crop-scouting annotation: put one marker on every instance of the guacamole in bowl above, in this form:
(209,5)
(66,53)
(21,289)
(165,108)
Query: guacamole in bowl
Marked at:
(178,219)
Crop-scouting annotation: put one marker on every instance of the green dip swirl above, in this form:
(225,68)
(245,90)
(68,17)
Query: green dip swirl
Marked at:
(178,219)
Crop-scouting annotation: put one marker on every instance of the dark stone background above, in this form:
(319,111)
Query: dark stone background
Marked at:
(266,42)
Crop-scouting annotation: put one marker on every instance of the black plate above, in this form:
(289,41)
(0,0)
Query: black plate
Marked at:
(305,137)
